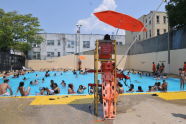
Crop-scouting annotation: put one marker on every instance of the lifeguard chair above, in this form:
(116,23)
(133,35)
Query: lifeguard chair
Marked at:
(105,60)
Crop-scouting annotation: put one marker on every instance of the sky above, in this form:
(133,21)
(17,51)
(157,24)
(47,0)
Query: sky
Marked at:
(61,16)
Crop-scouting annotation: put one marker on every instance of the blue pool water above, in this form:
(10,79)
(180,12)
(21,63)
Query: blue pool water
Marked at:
(69,77)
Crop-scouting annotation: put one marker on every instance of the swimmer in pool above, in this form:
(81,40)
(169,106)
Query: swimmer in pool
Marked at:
(3,88)
(22,90)
(71,89)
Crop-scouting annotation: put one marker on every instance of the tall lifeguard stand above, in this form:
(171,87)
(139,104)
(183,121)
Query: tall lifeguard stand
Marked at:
(105,64)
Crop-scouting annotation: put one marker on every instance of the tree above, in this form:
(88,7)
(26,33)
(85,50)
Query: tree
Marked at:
(18,32)
(176,10)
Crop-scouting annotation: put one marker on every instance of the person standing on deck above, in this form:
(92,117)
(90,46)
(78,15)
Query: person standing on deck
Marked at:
(158,68)
(162,68)
(184,67)
(153,68)
(182,75)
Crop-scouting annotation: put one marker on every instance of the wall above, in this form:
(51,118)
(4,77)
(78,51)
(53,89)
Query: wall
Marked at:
(143,53)
(141,62)
(144,61)
(68,61)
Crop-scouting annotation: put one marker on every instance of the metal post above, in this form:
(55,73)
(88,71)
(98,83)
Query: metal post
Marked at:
(115,60)
(96,80)
(168,45)
(168,42)
(78,43)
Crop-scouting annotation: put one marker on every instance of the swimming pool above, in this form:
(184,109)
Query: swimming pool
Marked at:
(69,77)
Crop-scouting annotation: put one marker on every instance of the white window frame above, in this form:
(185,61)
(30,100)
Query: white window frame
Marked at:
(50,54)
(36,55)
(70,44)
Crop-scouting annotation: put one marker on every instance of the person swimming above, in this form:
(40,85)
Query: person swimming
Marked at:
(63,83)
(34,83)
(71,89)
(81,89)
(56,89)
(3,88)
(131,89)
(24,78)
(22,90)
(43,80)
(120,88)
(139,89)
(164,86)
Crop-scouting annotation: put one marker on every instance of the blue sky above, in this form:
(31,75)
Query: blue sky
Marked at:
(61,16)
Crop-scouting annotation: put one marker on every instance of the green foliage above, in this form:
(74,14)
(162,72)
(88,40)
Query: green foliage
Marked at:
(18,31)
(177,13)
(21,46)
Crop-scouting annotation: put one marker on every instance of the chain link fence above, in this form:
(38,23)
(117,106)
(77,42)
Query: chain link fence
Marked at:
(11,61)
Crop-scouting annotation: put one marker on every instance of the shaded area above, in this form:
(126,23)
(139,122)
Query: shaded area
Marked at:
(11,62)
(87,105)
(136,109)
(179,115)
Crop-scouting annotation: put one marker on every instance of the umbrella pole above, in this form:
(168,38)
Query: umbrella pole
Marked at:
(117,32)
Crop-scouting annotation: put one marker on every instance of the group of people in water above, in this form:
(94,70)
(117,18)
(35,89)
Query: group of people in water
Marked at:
(54,88)
(156,87)
(157,73)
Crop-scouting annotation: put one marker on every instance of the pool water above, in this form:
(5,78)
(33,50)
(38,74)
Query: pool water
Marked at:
(69,77)
(146,81)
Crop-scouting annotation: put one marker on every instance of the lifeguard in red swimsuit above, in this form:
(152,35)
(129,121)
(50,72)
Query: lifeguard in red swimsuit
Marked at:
(153,67)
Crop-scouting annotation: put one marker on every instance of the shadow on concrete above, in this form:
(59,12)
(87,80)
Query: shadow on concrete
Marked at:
(87,106)
(179,115)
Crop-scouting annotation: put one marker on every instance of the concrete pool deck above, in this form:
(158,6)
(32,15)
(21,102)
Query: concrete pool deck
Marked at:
(131,109)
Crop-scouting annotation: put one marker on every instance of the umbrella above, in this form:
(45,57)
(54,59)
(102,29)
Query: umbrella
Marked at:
(120,21)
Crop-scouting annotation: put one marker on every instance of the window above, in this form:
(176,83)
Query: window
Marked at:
(158,32)
(70,52)
(164,19)
(58,43)
(146,35)
(158,19)
(58,54)
(50,42)
(70,44)
(86,44)
(139,37)
(150,33)
(50,54)
(165,30)
(36,55)
(119,43)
